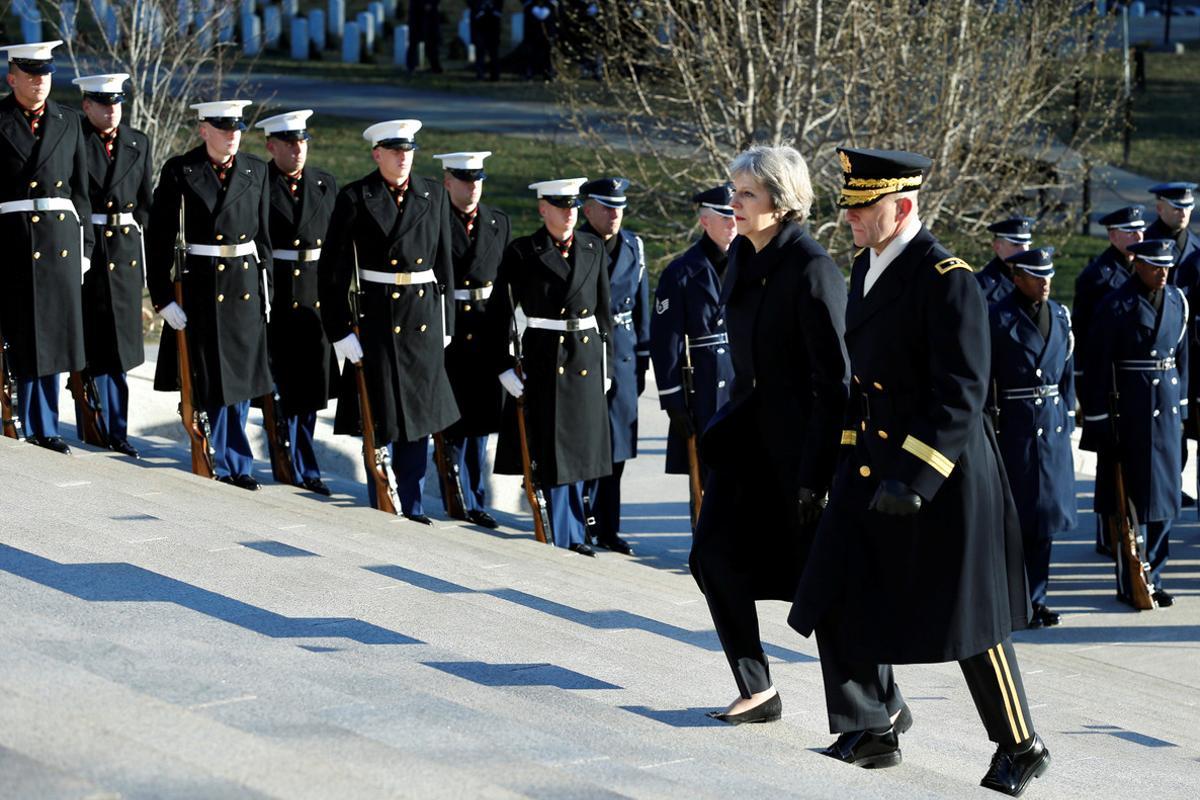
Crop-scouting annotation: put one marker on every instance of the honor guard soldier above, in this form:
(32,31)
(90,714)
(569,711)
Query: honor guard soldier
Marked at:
(480,234)
(1139,351)
(45,223)
(120,186)
(559,278)
(1105,273)
(1010,236)
(917,558)
(223,198)
(302,361)
(486,18)
(688,327)
(1033,406)
(604,211)
(390,236)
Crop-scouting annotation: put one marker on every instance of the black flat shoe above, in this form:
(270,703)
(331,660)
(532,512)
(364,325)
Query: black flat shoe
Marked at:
(1044,617)
(419,518)
(867,750)
(616,544)
(483,519)
(241,481)
(1011,772)
(770,710)
(316,485)
(125,448)
(1164,598)
(583,550)
(55,443)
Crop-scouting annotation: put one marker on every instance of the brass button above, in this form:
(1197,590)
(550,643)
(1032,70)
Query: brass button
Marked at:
(37,254)
(243,236)
(318,242)
(58,184)
(294,244)
(61,217)
(396,329)
(878,386)
(561,370)
(220,267)
(133,263)
(107,234)
(394,262)
(110,203)
(466,307)
(125,229)
(583,373)
(487,283)
(220,237)
(296,273)
(245,265)
(33,184)
(420,261)
(865,471)
(420,292)
(395,295)
(467,282)
(111,266)
(424,327)
(562,339)
(586,339)
(246,296)
(129,205)
(882,434)
(220,298)
(295,304)
(63,254)
(35,219)
(863,424)
(583,312)
(562,311)
(317,304)
(470,336)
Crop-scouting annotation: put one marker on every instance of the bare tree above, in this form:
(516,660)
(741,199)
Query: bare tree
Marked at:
(987,89)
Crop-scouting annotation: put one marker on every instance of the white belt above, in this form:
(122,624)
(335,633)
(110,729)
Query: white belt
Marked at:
(1147,364)
(39,204)
(623,318)
(112,220)
(297,255)
(1029,392)
(473,294)
(223,250)
(397,278)
(541,323)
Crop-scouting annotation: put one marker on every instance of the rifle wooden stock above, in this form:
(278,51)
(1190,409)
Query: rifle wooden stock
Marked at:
(1127,544)
(8,397)
(376,459)
(278,441)
(89,423)
(533,491)
(694,484)
(194,421)
(449,479)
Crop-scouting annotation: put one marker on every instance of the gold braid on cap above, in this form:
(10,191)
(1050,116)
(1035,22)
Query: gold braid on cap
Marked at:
(888,184)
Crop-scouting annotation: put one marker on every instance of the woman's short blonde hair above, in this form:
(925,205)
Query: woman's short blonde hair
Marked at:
(783,172)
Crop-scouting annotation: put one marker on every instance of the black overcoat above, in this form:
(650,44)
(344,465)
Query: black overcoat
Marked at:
(225,299)
(112,289)
(479,395)
(302,362)
(564,372)
(402,326)
(40,304)
(948,582)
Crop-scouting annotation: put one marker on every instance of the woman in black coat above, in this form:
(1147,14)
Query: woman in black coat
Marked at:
(771,448)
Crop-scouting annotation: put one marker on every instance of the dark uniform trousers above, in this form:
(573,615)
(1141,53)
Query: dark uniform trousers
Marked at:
(37,402)
(470,454)
(486,16)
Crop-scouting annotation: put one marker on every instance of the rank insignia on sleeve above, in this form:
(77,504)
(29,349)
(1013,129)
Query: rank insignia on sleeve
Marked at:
(662,305)
(947,264)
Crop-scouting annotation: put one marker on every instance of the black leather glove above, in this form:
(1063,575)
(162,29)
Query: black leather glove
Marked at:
(681,423)
(895,498)
(811,506)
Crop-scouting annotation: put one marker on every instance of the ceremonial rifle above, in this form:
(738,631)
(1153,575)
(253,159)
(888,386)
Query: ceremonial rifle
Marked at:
(449,479)
(195,419)
(378,460)
(693,455)
(542,530)
(993,409)
(1126,540)
(89,410)
(279,440)
(8,396)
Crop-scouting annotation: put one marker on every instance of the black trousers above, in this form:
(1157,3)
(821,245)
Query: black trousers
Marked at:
(863,696)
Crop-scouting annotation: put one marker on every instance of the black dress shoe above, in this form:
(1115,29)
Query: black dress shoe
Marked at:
(1011,772)
(770,710)
(316,485)
(1164,598)
(483,519)
(1105,550)
(419,518)
(582,549)
(55,443)
(125,448)
(865,749)
(615,544)
(246,482)
(1044,617)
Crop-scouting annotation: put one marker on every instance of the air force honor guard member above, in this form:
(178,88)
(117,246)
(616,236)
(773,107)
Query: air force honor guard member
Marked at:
(559,279)
(390,231)
(1173,204)
(688,314)
(1033,401)
(918,556)
(44,223)
(1010,236)
(479,236)
(1140,346)
(604,210)
(120,186)
(302,361)
(223,198)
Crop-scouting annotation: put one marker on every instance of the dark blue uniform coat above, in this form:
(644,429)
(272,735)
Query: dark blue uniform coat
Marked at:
(687,302)
(1035,433)
(1103,274)
(1153,402)
(995,282)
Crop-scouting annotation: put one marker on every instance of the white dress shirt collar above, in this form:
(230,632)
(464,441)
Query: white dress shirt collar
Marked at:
(881,260)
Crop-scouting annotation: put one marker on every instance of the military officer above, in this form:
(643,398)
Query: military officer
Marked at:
(688,314)
(223,197)
(480,234)
(44,223)
(1033,402)
(1009,236)
(1105,273)
(604,211)
(917,558)
(559,278)
(120,186)
(302,361)
(390,232)
(1140,349)
(486,17)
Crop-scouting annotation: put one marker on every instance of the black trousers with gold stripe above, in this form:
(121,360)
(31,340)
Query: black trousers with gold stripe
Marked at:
(861,696)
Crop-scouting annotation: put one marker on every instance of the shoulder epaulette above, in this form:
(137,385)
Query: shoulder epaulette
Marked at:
(947,264)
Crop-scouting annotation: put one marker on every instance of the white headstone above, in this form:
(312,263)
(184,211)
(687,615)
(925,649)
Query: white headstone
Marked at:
(1137,9)
(290,8)
(299,38)
(251,34)
(316,28)
(366,24)
(337,18)
(400,46)
(272,26)
(518,29)
(31,27)
(248,7)
(464,27)
(376,10)
(351,45)
(389,7)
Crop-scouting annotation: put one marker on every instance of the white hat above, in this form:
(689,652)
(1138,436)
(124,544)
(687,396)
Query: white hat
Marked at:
(564,187)
(36,58)
(225,114)
(465,166)
(286,126)
(104,85)
(395,134)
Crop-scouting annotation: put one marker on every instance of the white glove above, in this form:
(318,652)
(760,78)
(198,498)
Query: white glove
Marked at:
(85,264)
(511,383)
(174,315)
(541,12)
(446,340)
(348,349)
(607,385)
